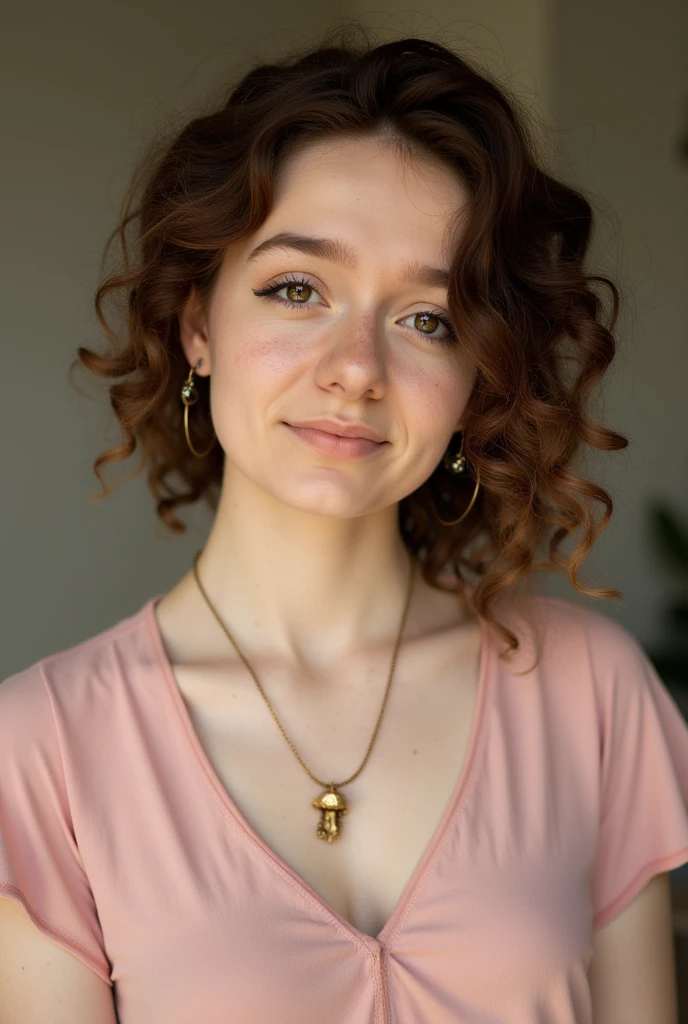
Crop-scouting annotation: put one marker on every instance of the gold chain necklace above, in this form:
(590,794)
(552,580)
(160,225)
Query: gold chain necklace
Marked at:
(330,803)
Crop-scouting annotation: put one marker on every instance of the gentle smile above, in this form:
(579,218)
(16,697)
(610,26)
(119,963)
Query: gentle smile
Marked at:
(336,444)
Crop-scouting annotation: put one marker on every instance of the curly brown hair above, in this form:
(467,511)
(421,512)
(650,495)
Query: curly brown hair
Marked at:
(520,298)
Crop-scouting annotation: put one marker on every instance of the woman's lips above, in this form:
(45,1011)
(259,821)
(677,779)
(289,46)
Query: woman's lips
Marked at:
(335,444)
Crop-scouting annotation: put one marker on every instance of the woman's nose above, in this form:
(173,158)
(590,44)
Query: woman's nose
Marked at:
(354,357)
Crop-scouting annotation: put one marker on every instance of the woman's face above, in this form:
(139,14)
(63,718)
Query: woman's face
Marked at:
(336,330)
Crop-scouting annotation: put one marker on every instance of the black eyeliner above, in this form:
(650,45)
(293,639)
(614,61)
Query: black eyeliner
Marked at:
(272,288)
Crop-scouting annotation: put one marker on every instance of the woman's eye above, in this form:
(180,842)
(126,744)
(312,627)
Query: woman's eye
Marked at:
(298,292)
(426,322)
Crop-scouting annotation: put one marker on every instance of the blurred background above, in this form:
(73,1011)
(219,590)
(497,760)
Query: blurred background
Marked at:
(86,87)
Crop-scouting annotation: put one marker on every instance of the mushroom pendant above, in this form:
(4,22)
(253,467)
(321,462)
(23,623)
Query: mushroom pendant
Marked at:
(333,805)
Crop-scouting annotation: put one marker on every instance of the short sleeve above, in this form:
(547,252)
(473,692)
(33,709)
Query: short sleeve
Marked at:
(643,826)
(40,864)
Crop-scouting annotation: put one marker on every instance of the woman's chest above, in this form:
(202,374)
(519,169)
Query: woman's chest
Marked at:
(213,889)
(395,805)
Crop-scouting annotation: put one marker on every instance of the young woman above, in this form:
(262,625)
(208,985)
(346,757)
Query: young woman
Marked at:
(350,768)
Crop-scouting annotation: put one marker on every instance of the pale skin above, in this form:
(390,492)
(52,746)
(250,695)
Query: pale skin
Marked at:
(290,515)
(305,564)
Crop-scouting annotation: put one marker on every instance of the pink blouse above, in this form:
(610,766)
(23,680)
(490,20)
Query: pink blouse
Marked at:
(122,846)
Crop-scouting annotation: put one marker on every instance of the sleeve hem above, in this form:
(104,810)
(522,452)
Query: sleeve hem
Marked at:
(655,867)
(75,947)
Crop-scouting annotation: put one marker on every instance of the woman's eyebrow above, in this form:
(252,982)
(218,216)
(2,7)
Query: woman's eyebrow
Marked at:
(338,251)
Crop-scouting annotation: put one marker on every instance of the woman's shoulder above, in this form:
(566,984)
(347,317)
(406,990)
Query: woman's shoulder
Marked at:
(569,646)
(567,629)
(72,671)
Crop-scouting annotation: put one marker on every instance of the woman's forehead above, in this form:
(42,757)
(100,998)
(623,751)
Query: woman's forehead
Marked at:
(359,199)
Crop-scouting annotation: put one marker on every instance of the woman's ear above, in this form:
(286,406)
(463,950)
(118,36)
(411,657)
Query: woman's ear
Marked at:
(193,333)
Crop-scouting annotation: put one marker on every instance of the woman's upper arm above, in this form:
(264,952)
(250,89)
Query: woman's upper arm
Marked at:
(632,973)
(42,983)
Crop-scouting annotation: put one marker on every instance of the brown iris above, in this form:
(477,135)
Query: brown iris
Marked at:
(295,292)
(421,320)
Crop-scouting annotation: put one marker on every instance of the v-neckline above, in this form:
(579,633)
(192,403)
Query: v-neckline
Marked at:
(385,936)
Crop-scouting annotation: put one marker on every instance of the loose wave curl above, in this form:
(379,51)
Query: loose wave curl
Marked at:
(520,299)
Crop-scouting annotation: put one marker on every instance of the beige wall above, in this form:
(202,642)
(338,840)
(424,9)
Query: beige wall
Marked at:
(85,85)
(619,96)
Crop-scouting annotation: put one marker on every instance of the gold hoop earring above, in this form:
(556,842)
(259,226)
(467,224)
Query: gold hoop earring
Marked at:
(190,397)
(457,464)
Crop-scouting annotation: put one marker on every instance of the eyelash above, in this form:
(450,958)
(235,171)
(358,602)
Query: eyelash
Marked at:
(270,293)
